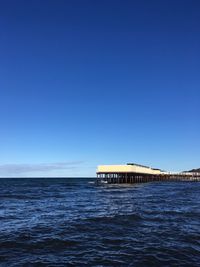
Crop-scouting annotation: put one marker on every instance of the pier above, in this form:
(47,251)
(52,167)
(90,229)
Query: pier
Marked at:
(134,173)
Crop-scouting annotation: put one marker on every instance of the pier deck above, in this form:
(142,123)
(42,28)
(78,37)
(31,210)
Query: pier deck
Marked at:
(133,173)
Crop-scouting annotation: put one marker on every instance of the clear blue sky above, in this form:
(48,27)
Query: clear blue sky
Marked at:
(84,83)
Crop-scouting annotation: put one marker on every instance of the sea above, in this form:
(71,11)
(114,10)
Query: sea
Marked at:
(74,222)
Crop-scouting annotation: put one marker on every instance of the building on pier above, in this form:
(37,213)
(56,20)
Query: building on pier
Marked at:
(129,168)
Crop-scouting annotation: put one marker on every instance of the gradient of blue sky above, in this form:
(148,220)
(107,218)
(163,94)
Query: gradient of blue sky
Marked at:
(98,82)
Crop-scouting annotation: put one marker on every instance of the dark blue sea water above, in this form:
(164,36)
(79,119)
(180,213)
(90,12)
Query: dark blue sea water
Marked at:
(72,222)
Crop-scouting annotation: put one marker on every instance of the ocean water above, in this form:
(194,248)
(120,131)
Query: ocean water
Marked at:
(73,222)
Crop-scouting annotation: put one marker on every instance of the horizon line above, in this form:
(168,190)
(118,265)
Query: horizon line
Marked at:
(45,177)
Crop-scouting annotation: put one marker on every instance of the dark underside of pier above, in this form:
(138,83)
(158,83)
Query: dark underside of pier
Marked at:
(131,178)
